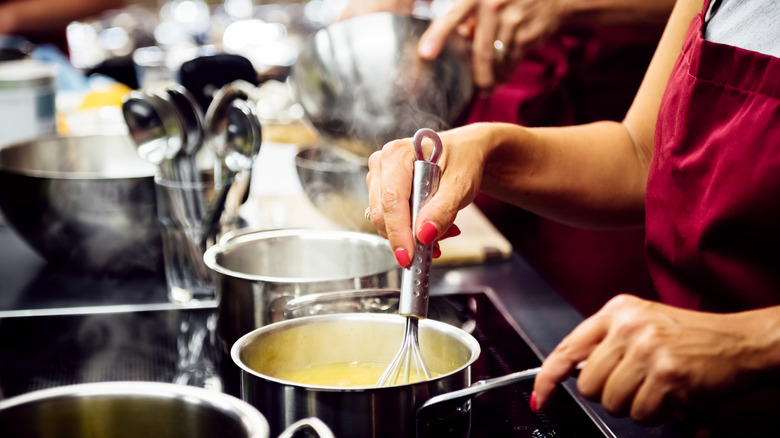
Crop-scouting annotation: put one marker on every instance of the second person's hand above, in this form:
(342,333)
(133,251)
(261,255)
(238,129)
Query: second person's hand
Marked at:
(502,31)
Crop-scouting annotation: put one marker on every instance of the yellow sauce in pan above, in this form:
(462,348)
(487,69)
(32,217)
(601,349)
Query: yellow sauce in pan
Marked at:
(340,374)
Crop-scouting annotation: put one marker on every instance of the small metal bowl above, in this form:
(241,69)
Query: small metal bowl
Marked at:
(85,201)
(336,186)
(362,84)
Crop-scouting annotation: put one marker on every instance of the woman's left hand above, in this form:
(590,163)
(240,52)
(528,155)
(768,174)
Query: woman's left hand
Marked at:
(647,360)
(502,32)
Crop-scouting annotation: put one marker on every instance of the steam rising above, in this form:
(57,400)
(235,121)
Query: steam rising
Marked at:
(362,84)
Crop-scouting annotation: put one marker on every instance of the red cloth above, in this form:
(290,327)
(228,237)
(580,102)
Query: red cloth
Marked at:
(713,195)
(582,74)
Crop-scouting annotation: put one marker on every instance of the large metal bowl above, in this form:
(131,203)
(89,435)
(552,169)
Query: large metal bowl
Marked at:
(361,83)
(85,201)
(335,186)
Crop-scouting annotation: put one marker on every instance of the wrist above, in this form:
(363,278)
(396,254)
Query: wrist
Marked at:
(503,155)
(762,331)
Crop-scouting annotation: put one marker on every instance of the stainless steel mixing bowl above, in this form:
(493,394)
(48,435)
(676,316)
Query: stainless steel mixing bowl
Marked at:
(85,201)
(336,186)
(361,83)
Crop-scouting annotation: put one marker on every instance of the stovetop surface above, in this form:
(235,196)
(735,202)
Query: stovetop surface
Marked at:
(182,346)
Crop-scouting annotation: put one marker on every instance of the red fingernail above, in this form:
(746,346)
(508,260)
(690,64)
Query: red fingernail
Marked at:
(402,256)
(532,402)
(436,252)
(427,233)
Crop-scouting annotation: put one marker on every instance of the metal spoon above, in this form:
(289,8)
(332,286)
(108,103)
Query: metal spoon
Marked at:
(216,118)
(242,144)
(193,118)
(154,130)
(184,161)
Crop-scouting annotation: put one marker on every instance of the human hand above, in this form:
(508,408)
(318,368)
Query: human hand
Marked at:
(390,184)
(648,360)
(502,31)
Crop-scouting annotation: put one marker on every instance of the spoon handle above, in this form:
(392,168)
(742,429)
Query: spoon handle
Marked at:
(214,212)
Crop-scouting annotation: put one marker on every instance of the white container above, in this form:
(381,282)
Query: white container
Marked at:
(27,100)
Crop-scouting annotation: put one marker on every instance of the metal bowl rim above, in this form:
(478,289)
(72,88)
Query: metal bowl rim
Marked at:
(343,165)
(71,175)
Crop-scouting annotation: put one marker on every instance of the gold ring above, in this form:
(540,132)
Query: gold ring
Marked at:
(499,50)
(367,214)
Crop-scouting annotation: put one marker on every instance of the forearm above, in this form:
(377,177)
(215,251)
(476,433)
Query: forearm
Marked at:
(590,175)
(761,355)
(593,175)
(617,11)
(31,16)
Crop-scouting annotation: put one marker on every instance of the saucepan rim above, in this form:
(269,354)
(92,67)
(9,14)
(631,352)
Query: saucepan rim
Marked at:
(234,240)
(464,338)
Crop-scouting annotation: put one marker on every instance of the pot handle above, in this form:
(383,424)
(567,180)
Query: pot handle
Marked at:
(313,423)
(448,413)
(475,389)
(444,406)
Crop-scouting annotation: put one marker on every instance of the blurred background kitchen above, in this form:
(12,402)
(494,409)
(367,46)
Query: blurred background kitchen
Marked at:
(70,79)
(141,44)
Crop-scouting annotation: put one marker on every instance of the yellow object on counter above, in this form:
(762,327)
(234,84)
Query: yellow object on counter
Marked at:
(108,95)
(95,111)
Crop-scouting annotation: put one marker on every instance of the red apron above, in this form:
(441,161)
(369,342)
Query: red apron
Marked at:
(713,193)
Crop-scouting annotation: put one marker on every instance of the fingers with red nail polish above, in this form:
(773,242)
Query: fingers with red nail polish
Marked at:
(427,233)
(402,256)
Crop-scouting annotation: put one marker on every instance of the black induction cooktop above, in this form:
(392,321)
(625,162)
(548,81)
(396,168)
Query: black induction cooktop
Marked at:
(181,346)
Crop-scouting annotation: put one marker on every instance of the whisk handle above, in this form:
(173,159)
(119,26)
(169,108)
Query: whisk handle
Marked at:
(415,280)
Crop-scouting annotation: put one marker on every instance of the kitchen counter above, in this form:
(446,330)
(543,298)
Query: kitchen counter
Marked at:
(32,288)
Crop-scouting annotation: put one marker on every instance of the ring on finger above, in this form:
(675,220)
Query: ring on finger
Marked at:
(499,50)
(367,214)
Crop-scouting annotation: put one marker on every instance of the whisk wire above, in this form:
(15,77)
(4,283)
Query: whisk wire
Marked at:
(408,360)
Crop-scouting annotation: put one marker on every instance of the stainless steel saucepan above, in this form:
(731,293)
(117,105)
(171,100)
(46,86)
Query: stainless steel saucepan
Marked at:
(255,269)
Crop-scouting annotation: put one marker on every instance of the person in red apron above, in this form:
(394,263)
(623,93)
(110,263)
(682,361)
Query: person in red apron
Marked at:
(697,160)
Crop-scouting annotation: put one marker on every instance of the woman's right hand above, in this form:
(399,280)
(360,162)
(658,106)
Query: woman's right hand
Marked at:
(390,184)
